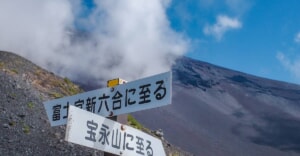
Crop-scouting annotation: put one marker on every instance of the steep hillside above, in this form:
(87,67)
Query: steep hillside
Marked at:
(220,112)
(24,127)
(214,112)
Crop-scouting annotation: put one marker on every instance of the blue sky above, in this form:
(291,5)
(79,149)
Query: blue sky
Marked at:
(259,37)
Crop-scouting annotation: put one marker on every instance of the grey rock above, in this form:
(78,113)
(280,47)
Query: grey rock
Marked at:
(5,125)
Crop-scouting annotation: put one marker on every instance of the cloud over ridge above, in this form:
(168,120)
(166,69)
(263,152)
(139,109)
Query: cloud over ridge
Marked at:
(128,39)
(293,66)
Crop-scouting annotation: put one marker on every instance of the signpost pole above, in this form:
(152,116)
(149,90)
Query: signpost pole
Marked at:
(120,118)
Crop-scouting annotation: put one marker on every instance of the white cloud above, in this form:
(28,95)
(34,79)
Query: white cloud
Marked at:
(128,39)
(224,24)
(239,6)
(297,38)
(293,66)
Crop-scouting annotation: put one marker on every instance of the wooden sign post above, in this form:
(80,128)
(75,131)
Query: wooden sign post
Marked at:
(122,118)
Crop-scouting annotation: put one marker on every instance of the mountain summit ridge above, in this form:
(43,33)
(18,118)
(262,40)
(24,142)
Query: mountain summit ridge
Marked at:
(218,111)
(214,111)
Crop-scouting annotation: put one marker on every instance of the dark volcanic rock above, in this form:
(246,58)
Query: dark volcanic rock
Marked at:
(220,112)
(214,112)
(24,126)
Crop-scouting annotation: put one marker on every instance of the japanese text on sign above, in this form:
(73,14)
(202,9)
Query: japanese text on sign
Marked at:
(97,132)
(118,139)
(137,95)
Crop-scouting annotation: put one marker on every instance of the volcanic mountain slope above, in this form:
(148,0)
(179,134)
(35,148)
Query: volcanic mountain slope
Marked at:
(220,112)
(24,126)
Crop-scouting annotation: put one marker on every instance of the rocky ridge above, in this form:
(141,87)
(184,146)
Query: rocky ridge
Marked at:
(24,127)
(222,112)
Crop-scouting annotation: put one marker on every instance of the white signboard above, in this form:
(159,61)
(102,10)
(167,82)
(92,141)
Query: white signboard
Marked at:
(150,92)
(97,132)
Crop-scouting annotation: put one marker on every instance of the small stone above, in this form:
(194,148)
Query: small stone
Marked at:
(18,86)
(5,125)
(70,145)
(57,135)
(12,123)
(21,115)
